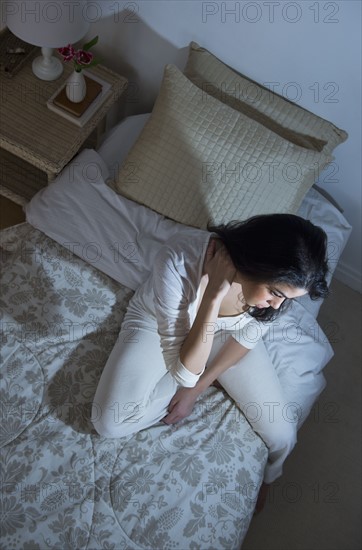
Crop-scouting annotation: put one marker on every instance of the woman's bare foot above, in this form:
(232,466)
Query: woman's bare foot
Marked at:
(261,500)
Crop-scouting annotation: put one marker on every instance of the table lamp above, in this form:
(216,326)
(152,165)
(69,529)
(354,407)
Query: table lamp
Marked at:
(48,25)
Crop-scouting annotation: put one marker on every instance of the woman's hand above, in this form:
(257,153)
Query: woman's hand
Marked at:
(181,405)
(219,268)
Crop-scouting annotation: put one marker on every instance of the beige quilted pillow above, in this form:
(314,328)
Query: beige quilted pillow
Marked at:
(256,101)
(199,160)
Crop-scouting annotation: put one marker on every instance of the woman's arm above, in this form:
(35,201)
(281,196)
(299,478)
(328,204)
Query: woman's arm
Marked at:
(220,272)
(183,401)
(172,295)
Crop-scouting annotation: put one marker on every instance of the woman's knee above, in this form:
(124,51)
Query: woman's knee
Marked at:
(114,421)
(277,430)
(280,435)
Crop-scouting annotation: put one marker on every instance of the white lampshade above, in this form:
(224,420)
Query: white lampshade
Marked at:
(49,25)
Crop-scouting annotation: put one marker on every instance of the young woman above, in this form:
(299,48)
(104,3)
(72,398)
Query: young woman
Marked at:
(199,317)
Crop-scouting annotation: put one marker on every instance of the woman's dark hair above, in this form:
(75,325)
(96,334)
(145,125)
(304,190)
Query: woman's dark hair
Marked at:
(278,248)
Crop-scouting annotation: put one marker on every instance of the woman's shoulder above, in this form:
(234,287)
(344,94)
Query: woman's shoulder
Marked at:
(183,254)
(187,245)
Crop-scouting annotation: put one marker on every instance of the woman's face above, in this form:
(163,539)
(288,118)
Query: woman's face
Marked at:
(262,295)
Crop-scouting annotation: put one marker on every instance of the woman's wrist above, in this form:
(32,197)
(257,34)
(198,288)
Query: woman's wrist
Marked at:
(203,383)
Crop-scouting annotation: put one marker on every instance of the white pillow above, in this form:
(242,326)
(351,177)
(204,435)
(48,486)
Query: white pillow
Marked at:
(316,208)
(118,143)
(305,352)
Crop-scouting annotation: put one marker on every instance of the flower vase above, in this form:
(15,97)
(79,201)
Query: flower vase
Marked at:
(76,87)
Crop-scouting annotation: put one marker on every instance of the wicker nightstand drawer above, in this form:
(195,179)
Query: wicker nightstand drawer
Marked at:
(24,179)
(19,176)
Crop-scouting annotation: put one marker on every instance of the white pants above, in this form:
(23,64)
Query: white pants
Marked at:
(135,390)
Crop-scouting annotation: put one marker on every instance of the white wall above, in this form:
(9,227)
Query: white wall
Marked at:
(309,50)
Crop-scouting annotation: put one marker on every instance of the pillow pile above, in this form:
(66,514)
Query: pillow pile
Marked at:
(205,159)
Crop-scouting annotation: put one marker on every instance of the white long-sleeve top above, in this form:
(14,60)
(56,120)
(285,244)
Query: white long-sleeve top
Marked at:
(171,294)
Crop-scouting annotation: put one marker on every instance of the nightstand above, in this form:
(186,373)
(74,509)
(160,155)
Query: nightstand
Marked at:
(36,143)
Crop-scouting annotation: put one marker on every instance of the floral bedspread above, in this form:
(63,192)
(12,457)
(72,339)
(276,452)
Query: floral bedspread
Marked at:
(188,486)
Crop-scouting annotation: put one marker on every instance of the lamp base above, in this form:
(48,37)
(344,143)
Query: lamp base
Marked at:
(47,67)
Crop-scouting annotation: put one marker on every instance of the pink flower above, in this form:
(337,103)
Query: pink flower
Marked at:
(68,52)
(83,58)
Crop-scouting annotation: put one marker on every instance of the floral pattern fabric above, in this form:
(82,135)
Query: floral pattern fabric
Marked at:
(190,485)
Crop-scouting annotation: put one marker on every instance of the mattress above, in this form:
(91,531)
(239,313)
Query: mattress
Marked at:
(190,485)
(193,483)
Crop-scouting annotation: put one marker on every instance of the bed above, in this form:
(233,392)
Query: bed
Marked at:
(67,276)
